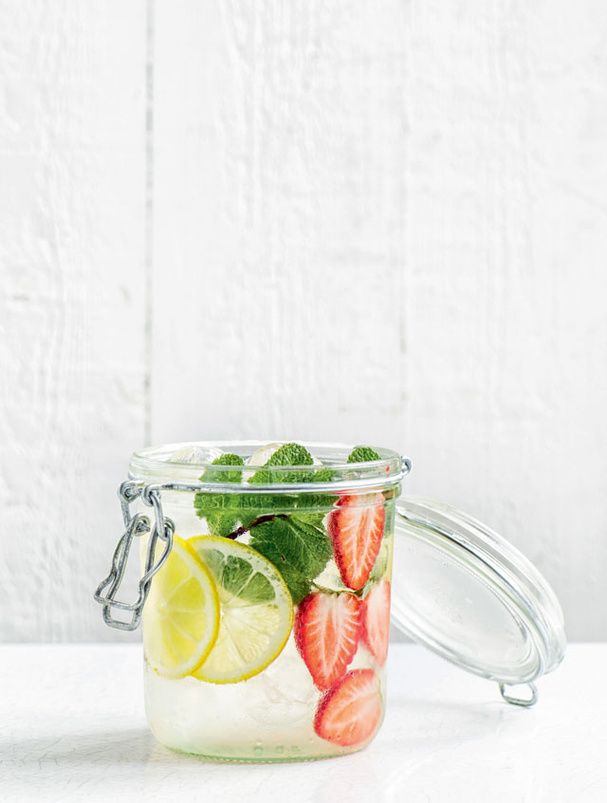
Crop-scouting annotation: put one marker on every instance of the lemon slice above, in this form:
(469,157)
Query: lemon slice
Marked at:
(181,614)
(256,611)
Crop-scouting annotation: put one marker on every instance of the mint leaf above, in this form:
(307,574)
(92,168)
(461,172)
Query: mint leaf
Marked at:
(298,549)
(225,476)
(323,475)
(218,509)
(289,454)
(363,454)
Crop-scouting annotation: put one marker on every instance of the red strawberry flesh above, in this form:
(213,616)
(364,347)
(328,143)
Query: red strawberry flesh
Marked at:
(356,528)
(350,713)
(375,632)
(327,630)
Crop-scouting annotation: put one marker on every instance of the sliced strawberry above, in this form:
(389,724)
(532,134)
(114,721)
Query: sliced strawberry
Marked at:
(375,632)
(327,629)
(350,713)
(356,527)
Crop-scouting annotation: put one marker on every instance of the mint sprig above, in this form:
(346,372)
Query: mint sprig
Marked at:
(233,514)
(286,528)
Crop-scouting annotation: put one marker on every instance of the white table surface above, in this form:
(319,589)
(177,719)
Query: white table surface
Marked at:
(73,729)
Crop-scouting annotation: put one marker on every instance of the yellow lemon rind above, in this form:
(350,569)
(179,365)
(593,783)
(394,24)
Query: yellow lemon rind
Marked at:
(210,587)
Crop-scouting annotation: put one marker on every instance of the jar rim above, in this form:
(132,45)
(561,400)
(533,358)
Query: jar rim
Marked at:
(181,462)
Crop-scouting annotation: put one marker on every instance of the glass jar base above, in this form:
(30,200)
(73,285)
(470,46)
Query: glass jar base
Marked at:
(259,756)
(268,718)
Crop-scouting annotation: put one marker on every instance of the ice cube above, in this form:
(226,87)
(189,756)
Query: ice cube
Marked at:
(192,454)
(284,692)
(261,456)
(330,578)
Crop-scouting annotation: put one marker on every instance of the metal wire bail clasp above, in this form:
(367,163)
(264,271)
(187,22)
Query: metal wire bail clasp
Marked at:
(136,525)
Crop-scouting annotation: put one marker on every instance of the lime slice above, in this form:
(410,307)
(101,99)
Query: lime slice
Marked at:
(181,614)
(256,611)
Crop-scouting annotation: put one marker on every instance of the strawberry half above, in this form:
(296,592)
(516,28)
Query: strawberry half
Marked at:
(356,527)
(375,632)
(327,630)
(350,713)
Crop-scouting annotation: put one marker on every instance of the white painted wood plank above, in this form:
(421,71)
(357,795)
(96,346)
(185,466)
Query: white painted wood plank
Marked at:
(506,286)
(72,168)
(289,138)
(287,141)
(279,206)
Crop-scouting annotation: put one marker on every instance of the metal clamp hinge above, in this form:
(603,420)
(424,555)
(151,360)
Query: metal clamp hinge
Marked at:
(162,530)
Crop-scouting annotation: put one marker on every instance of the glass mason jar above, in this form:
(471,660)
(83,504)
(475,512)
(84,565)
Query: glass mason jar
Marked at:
(266,592)
(266,627)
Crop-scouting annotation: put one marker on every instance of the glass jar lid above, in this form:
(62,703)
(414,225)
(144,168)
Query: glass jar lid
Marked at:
(464,592)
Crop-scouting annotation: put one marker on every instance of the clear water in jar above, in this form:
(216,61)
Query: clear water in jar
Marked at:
(296,669)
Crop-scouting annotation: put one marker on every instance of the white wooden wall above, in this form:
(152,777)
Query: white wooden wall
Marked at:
(358,221)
